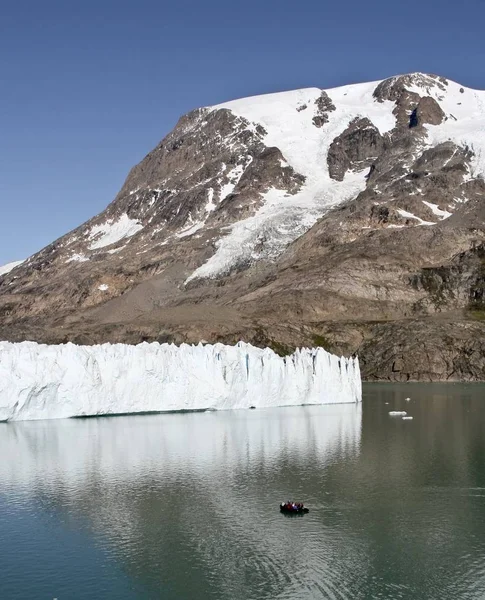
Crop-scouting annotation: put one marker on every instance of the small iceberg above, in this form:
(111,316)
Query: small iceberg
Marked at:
(407,418)
(398,413)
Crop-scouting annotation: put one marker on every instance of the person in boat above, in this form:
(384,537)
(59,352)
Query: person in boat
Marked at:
(292,506)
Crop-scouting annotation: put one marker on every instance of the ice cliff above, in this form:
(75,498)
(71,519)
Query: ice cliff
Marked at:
(54,382)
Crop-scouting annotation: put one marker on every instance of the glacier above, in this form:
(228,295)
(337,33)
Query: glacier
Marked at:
(40,381)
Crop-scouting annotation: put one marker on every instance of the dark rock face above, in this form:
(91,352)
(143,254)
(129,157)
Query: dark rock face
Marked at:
(324,106)
(194,156)
(358,147)
(413,108)
(427,112)
(264,172)
(393,88)
(394,272)
(426,351)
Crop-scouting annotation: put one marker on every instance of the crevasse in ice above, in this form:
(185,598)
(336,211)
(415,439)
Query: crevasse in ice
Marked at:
(53,382)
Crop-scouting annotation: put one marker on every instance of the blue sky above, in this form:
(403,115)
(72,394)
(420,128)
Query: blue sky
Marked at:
(88,88)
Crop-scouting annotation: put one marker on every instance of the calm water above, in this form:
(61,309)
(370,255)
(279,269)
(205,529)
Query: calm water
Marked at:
(185,506)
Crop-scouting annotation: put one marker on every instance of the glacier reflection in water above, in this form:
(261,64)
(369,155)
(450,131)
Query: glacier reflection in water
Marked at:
(131,448)
(187,503)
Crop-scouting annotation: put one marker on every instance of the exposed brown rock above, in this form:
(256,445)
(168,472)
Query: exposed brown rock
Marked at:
(395,274)
(358,147)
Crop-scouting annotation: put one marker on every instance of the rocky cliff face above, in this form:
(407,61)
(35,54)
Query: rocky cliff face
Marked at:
(350,218)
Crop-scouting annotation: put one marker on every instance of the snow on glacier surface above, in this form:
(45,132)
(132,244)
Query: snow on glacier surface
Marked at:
(52,382)
(283,217)
(287,127)
(10,266)
(111,232)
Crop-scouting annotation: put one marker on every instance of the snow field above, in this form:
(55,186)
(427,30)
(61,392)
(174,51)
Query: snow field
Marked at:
(288,119)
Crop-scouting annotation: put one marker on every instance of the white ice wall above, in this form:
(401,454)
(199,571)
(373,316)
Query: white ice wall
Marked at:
(54,382)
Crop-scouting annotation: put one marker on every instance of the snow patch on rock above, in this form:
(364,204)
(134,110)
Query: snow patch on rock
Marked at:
(407,215)
(10,266)
(190,228)
(77,258)
(436,210)
(210,206)
(113,231)
(304,146)
(233,176)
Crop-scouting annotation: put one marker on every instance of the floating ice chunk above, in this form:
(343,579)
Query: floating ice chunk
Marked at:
(407,418)
(408,399)
(398,413)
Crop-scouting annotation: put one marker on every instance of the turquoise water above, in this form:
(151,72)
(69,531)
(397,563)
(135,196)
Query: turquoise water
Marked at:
(186,505)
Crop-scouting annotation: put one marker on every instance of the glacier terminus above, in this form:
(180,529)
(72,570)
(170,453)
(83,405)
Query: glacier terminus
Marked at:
(60,381)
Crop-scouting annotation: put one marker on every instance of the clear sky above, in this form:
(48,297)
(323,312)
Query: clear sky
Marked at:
(89,87)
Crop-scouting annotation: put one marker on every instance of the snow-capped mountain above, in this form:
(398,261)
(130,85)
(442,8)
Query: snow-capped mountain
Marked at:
(306,217)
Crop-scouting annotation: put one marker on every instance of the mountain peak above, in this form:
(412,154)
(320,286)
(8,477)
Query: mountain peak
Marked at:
(296,196)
